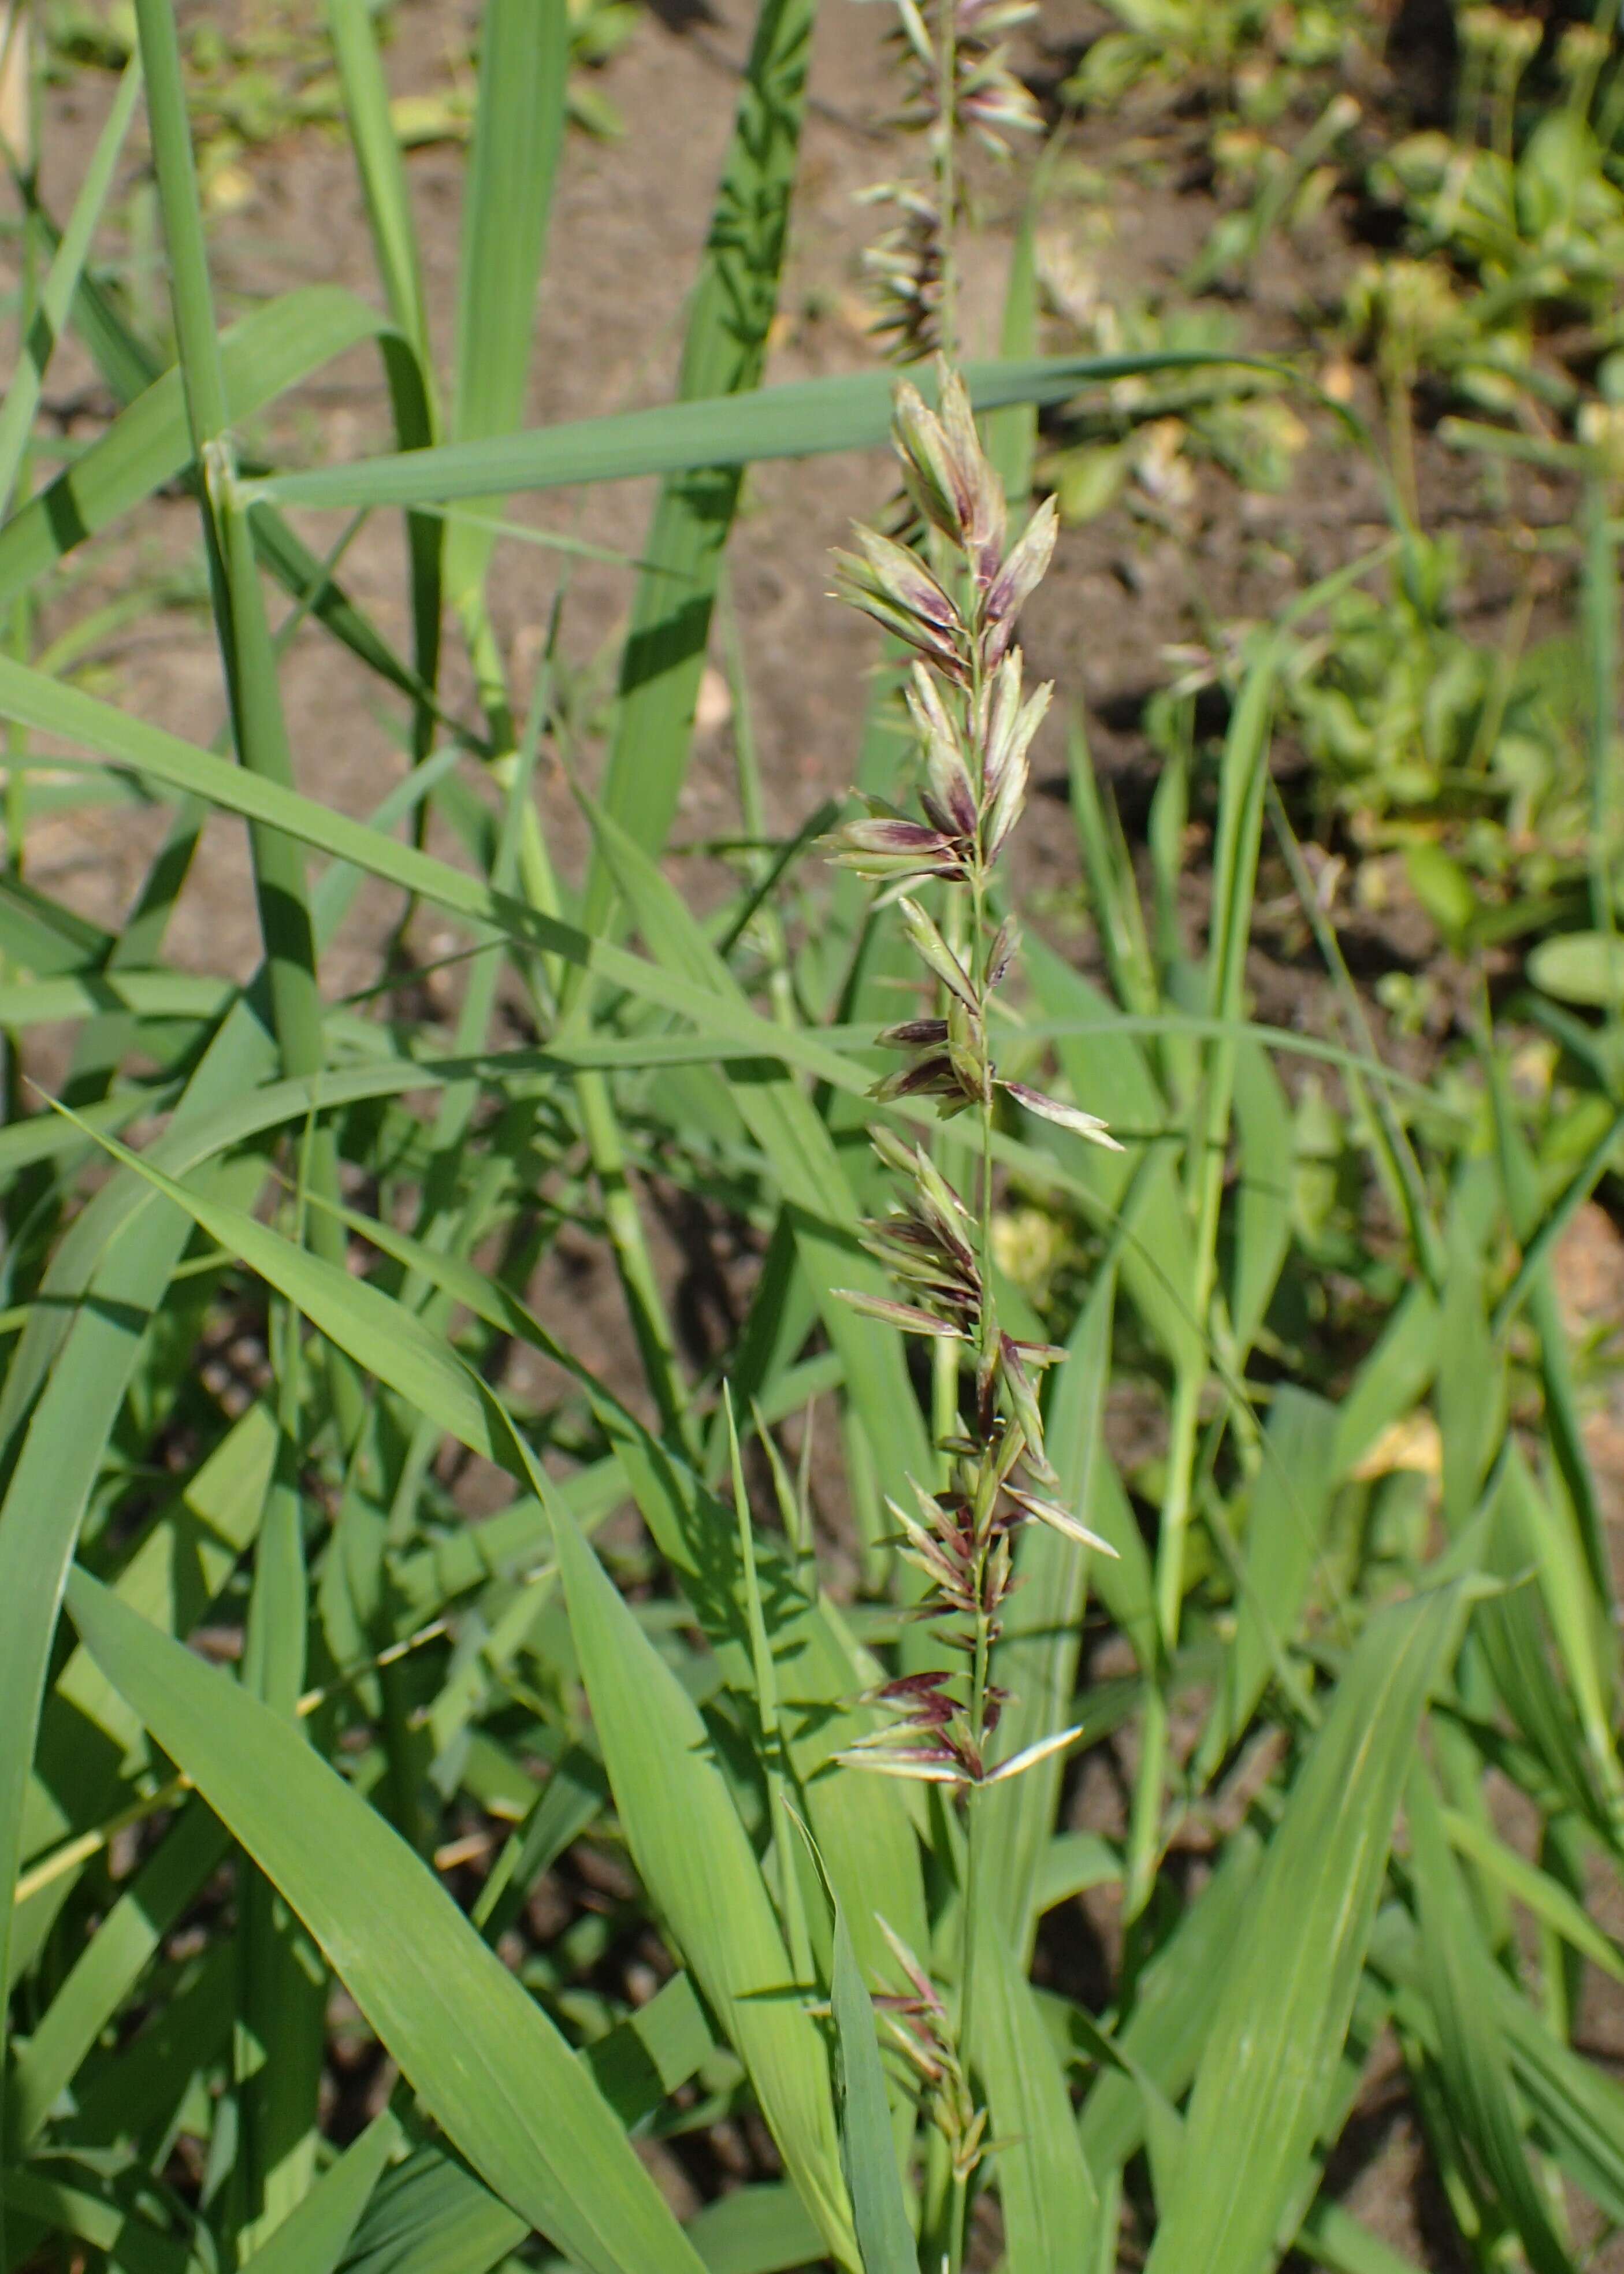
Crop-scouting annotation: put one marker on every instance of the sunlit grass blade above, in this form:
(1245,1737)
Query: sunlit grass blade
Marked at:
(507,199)
(1283,2011)
(481,2055)
(1173,2009)
(67,1380)
(723,354)
(859,1823)
(57,294)
(696,1861)
(878,2210)
(148,445)
(248,657)
(430,2215)
(1285,1533)
(110,1965)
(1051,2207)
(1262,1231)
(1476,2073)
(381,168)
(1520,1177)
(802,419)
(86,2215)
(282,1983)
(316,2236)
(864,1835)
(664,654)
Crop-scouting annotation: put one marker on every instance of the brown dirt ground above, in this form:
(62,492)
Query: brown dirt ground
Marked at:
(628,227)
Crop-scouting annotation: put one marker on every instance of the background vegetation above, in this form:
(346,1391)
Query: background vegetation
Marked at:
(446,1548)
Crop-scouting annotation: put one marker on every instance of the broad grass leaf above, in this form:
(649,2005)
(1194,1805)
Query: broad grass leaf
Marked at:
(56,1466)
(1514,1637)
(861,1823)
(755,2229)
(313,2238)
(111,1963)
(381,168)
(1263,1194)
(1391,1380)
(1473,2065)
(508,203)
(280,2041)
(481,2055)
(175,1572)
(697,1864)
(1272,2048)
(1521,1179)
(1549,1902)
(1333,2237)
(1579,2107)
(50,2202)
(1285,1533)
(804,419)
(432,2215)
(1470,1391)
(166,994)
(1537,1522)
(866,2156)
(652,2053)
(51,708)
(34,700)
(134,2100)
(1052,2206)
(148,445)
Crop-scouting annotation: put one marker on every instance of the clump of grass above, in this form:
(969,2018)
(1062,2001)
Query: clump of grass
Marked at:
(760,1835)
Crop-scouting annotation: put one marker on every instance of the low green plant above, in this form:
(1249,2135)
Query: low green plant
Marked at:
(1508,291)
(268,75)
(1400,713)
(1242,51)
(1141,441)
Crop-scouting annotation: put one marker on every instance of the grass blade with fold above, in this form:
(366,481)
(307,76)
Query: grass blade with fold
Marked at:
(479,2052)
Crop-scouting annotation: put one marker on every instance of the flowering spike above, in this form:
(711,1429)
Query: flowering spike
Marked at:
(974,722)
